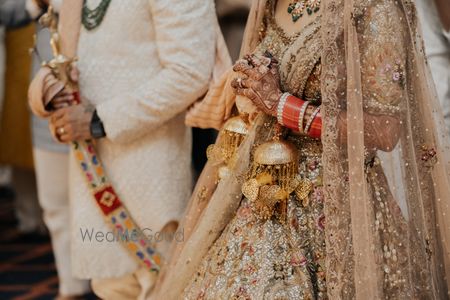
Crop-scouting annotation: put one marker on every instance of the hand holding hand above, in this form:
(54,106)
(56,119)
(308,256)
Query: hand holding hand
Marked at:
(260,83)
(56,94)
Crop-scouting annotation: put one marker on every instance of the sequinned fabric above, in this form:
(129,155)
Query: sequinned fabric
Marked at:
(384,158)
(257,259)
(310,257)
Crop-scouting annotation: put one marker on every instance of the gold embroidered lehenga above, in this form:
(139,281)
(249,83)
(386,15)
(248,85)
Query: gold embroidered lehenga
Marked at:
(266,259)
(372,223)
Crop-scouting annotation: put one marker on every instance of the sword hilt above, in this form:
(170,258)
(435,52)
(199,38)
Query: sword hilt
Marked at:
(60,64)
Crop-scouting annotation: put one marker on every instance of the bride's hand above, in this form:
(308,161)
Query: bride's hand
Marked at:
(260,82)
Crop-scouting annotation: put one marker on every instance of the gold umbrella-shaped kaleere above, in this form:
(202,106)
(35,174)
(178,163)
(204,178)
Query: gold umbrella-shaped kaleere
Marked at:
(231,137)
(273,177)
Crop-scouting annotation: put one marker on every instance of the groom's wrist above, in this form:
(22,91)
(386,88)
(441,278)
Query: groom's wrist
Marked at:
(97,129)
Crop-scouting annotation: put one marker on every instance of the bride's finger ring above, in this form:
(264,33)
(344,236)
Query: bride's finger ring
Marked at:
(60,130)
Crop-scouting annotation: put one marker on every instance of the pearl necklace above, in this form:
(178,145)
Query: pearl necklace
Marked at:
(297,8)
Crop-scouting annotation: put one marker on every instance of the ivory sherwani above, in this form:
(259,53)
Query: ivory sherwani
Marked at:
(141,68)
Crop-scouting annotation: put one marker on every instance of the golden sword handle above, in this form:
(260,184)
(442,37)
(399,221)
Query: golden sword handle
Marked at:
(60,64)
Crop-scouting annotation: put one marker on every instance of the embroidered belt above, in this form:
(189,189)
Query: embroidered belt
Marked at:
(115,213)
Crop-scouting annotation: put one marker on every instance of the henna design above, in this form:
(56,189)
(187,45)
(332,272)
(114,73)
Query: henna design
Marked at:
(261,83)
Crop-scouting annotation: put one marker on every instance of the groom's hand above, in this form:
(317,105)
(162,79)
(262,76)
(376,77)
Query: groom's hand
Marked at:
(72,123)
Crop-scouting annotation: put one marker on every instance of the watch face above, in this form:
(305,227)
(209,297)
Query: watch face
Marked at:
(97,130)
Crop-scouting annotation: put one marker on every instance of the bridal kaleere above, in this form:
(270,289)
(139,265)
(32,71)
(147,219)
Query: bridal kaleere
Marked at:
(339,187)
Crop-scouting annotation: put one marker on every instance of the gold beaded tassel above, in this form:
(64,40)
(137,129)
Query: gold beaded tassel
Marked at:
(272,178)
(230,138)
(230,142)
(281,174)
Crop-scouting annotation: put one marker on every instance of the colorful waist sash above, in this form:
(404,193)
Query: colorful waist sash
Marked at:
(115,213)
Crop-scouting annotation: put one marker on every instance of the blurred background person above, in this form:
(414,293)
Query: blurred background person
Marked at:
(50,157)
(6,190)
(435,19)
(15,141)
(13,13)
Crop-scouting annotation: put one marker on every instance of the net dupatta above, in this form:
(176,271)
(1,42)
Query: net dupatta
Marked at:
(387,233)
(385,162)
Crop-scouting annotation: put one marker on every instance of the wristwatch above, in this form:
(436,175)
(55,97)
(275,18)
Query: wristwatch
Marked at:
(97,129)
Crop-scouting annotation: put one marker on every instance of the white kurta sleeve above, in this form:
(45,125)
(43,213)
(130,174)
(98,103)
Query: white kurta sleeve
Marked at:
(185,37)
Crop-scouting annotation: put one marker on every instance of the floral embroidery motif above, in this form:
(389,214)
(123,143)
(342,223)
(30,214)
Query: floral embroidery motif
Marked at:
(429,155)
(395,72)
(382,61)
(385,80)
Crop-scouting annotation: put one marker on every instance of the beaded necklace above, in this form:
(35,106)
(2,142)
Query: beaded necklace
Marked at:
(297,8)
(92,18)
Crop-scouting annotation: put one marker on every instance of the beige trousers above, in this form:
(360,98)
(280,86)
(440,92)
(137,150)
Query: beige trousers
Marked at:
(52,175)
(135,286)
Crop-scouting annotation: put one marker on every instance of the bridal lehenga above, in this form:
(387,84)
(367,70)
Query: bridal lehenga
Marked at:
(367,209)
